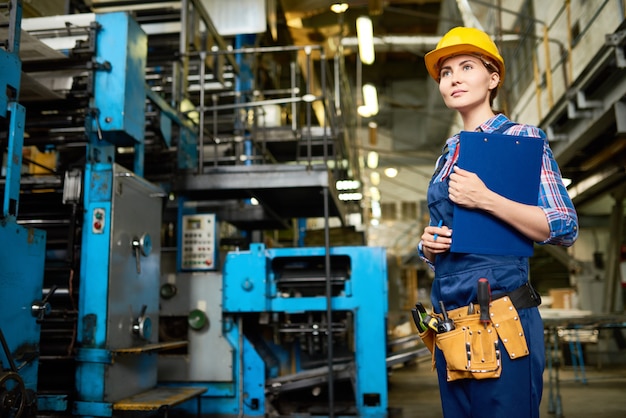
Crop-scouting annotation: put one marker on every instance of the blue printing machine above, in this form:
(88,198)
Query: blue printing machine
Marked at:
(22,255)
(266,292)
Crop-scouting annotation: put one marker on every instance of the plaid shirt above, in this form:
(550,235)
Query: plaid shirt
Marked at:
(553,197)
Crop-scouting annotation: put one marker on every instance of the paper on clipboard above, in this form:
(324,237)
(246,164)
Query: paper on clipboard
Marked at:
(510,166)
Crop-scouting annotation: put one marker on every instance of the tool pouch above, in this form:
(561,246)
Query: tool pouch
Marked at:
(505,319)
(471,350)
(428,338)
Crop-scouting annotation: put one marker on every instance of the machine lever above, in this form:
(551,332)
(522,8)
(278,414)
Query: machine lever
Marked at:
(142,325)
(142,246)
(95,112)
(137,248)
(40,308)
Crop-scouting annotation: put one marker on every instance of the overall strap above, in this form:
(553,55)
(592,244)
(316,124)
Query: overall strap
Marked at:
(506,125)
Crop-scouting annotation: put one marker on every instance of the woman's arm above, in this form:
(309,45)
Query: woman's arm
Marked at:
(552,221)
(468,190)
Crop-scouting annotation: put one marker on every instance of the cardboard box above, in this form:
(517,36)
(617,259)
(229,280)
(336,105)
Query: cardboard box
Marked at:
(562,298)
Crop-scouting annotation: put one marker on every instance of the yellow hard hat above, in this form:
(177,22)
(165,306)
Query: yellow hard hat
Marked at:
(461,40)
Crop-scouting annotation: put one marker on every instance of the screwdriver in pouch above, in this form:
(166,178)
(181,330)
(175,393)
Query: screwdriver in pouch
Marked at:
(446,324)
(484,299)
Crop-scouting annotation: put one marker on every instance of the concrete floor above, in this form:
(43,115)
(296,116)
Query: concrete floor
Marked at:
(413,393)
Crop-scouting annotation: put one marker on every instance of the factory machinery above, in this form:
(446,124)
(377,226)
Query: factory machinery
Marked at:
(133,279)
(22,255)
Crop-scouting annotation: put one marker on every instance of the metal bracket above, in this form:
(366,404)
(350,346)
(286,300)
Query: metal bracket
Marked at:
(99,66)
(554,137)
(616,41)
(579,107)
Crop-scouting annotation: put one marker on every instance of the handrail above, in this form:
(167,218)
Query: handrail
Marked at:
(315,98)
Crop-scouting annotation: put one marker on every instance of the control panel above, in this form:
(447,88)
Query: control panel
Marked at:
(199,242)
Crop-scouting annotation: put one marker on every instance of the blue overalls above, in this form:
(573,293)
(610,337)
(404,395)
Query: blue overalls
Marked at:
(517,392)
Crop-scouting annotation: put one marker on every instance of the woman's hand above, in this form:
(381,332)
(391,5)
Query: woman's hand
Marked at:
(467,189)
(436,240)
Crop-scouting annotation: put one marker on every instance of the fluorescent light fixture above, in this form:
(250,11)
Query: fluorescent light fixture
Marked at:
(391,172)
(350,196)
(370,98)
(365,37)
(348,184)
(339,7)
(376,210)
(375,195)
(375,178)
(372,160)
(364,111)
(566,181)
(295,23)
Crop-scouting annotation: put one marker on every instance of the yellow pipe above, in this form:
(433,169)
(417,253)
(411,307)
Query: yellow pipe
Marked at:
(537,84)
(570,71)
(548,67)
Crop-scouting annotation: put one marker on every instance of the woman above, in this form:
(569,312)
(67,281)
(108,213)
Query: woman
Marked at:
(469,69)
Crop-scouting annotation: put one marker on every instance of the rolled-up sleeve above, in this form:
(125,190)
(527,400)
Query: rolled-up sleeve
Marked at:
(556,203)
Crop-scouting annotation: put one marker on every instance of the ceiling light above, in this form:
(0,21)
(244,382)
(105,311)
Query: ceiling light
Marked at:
(375,178)
(348,184)
(375,195)
(372,160)
(370,100)
(295,23)
(376,210)
(365,37)
(391,172)
(350,196)
(339,7)
(364,111)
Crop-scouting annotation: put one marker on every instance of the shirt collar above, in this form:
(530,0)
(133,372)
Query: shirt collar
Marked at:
(489,126)
(493,124)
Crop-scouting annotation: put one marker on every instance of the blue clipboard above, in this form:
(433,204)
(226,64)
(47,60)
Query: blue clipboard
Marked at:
(510,166)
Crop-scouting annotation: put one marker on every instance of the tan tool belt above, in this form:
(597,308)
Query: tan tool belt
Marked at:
(473,349)
(428,338)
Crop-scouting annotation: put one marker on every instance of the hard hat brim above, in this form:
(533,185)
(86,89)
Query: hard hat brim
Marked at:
(433,58)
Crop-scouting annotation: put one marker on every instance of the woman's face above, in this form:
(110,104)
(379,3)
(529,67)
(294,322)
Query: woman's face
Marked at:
(465,82)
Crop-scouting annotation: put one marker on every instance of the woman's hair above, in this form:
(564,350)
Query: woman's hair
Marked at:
(492,68)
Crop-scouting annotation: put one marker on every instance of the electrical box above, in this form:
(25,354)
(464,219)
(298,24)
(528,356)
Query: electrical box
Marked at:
(199,242)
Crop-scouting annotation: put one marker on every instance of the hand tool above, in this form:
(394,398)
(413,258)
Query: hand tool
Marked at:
(419,313)
(470,309)
(432,322)
(484,299)
(446,324)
